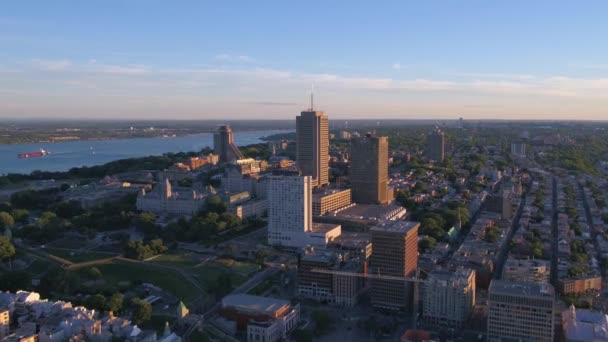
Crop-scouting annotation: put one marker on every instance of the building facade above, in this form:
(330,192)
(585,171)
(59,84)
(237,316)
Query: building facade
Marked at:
(223,145)
(369,170)
(449,297)
(312,146)
(330,200)
(436,145)
(289,209)
(395,245)
(520,311)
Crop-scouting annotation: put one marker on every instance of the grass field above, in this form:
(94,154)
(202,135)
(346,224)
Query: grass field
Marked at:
(126,273)
(77,257)
(67,242)
(39,266)
(176,260)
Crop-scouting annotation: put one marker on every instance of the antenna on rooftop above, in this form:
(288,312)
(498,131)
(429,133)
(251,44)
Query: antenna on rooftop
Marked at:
(312,92)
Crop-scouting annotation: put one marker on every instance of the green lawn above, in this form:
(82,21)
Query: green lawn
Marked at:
(77,257)
(176,260)
(39,266)
(127,273)
(67,242)
(208,274)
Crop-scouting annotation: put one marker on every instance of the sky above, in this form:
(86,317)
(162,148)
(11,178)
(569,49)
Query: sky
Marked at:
(259,59)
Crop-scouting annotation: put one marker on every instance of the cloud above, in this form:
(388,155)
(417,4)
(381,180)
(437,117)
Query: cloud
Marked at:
(271,103)
(224,57)
(397,66)
(124,70)
(51,65)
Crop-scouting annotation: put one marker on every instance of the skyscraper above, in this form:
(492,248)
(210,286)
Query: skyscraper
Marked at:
(395,254)
(520,311)
(312,146)
(289,208)
(223,145)
(436,145)
(449,297)
(369,170)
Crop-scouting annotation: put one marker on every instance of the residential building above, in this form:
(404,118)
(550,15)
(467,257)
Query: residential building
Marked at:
(312,146)
(520,311)
(223,145)
(263,318)
(448,297)
(395,245)
(436,145)
(527,270)
(4,323)
(369,170)
(330,200)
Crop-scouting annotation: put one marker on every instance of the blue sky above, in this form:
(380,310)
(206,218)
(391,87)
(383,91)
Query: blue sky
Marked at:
(257,59)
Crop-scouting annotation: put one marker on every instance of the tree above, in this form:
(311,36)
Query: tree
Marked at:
(301,335)
(427,242)
(20,215)
(216,205)
(141,310)
(6,220)
(94,273)
(115,302)
(15,281)
(323,322)
(7,250)
(97,302)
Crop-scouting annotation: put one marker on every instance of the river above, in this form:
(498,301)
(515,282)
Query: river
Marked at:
(63,156)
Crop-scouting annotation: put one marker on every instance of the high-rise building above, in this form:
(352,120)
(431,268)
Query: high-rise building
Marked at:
(518,148)
(520,311)
(436,145)
(289,208)
(395,254)
(312,146)
(449,297)
(369,170)
(223,145)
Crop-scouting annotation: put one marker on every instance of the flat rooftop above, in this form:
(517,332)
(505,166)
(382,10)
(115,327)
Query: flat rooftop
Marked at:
(368,211)
(317,195)
(402,227)
(514,288)
(254,304)
(323,227)
(352,239)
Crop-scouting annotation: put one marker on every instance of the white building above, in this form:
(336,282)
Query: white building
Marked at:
(290,214)
(163,200)
(584,325)
(518,149)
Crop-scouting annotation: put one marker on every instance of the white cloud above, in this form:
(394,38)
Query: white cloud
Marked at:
(51,65)
(397,66)
(224,57)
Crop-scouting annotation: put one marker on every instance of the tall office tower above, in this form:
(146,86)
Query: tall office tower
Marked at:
(520,311)
(518,149)
(223,145)
(395,254)
(289,209)
(312,146)
(449,297)
(369,170)
(436,145)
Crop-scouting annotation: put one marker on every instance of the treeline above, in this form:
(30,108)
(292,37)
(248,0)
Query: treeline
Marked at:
(123,165)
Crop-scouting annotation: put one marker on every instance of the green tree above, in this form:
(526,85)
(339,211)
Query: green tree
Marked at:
(427,242)
(97,302)
(323,322)
(141,311)
(6,220)
(7,250)
(215,205)
(115,302)
(20,215)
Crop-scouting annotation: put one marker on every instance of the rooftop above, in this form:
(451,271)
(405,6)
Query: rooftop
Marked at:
(369,211)
(254,304)
(402,227)
(514,288)
(317,195)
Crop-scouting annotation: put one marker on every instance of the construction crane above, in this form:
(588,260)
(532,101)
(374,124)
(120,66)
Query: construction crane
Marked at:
(416,280)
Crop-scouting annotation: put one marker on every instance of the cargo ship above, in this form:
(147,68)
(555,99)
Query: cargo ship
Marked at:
(40,153)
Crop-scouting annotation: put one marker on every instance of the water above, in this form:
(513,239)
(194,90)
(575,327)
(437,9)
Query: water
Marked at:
(66,155)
